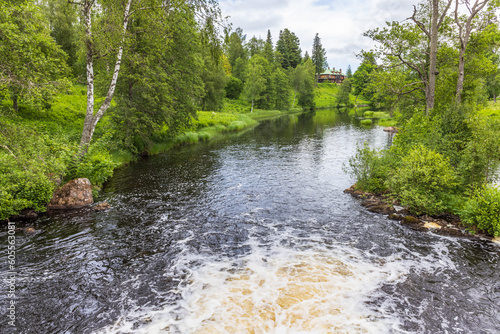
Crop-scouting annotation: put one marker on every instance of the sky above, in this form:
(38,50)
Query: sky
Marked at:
(339,23)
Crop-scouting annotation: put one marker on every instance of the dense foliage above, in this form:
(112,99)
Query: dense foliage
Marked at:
(482,210)
(447,149)
(147,69)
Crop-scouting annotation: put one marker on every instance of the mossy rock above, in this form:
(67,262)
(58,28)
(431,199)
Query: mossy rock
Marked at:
(394,216)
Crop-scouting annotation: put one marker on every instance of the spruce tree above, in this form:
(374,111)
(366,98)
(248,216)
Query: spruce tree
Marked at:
(349,72)
(288,45)
(319,55)
(306,57)
(268,48)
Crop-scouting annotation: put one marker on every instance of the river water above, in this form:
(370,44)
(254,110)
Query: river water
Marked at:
(252,234)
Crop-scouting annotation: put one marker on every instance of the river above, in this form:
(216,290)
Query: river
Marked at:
(251,234)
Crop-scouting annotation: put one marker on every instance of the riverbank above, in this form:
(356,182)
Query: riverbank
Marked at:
(444,224)
(38,148)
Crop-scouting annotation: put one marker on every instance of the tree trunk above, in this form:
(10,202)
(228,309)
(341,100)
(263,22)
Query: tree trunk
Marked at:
(91,119)
(87,125)
(461,74)
(251,110)
(464,33)
(14,103)
(494,98)
(431,87)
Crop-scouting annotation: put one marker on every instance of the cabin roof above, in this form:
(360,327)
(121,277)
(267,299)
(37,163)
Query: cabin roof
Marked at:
(332,71)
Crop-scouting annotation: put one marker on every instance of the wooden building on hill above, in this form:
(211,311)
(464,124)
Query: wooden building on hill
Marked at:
(332,76)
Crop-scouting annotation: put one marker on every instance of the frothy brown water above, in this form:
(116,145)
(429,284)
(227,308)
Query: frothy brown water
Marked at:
(289,292)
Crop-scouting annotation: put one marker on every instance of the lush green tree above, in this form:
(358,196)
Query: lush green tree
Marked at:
(235,47)
(266,100)
(32,65)
(289,46)
(255,46)
(268,51)
(361,77)
(430,28)
(348,73)
(466,25)
(343,94)
(108,40)
(481,64)
(240,69)
(255,83)
(282,89)
(303,81)
(414,44)
(306,57)
(318,55)
(234,87)
(214,78)
(154,97)
(65,28)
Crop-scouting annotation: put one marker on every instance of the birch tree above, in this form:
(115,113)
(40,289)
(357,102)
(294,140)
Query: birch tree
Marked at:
(256,81)
(466,25)
(87,8)
(117,15)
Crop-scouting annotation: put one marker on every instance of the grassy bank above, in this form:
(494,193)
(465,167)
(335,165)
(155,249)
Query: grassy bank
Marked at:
(325,96)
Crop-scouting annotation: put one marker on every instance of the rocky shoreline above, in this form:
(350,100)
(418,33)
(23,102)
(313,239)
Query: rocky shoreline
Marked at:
(74,195)
(444,224)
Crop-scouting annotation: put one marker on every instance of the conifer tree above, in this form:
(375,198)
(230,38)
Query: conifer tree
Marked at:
(318,55)
(349,72)
(288,45)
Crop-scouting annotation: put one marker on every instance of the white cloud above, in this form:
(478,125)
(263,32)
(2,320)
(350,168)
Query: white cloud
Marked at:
(340,23)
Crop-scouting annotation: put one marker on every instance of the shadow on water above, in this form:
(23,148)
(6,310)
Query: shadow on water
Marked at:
(253,233)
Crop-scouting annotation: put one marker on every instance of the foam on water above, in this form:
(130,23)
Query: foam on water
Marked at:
(274,290)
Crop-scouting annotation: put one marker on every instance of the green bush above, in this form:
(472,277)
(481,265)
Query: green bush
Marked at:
(366,122)
(481,157)
(368,168)
(30,162)
(22,189)
(419,130)
(482,210)
(368,114)
(423,181)
(97,165)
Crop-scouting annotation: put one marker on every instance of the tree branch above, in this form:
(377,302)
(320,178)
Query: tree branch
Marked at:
(420,24)
(146,8)
(5,147)
(443,15)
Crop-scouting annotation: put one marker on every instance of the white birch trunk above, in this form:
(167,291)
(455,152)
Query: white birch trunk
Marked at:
(91,119)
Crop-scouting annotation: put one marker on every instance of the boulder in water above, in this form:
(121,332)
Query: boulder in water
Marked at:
(73,195)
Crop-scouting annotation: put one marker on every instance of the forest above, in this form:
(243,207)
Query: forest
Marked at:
(89,85)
